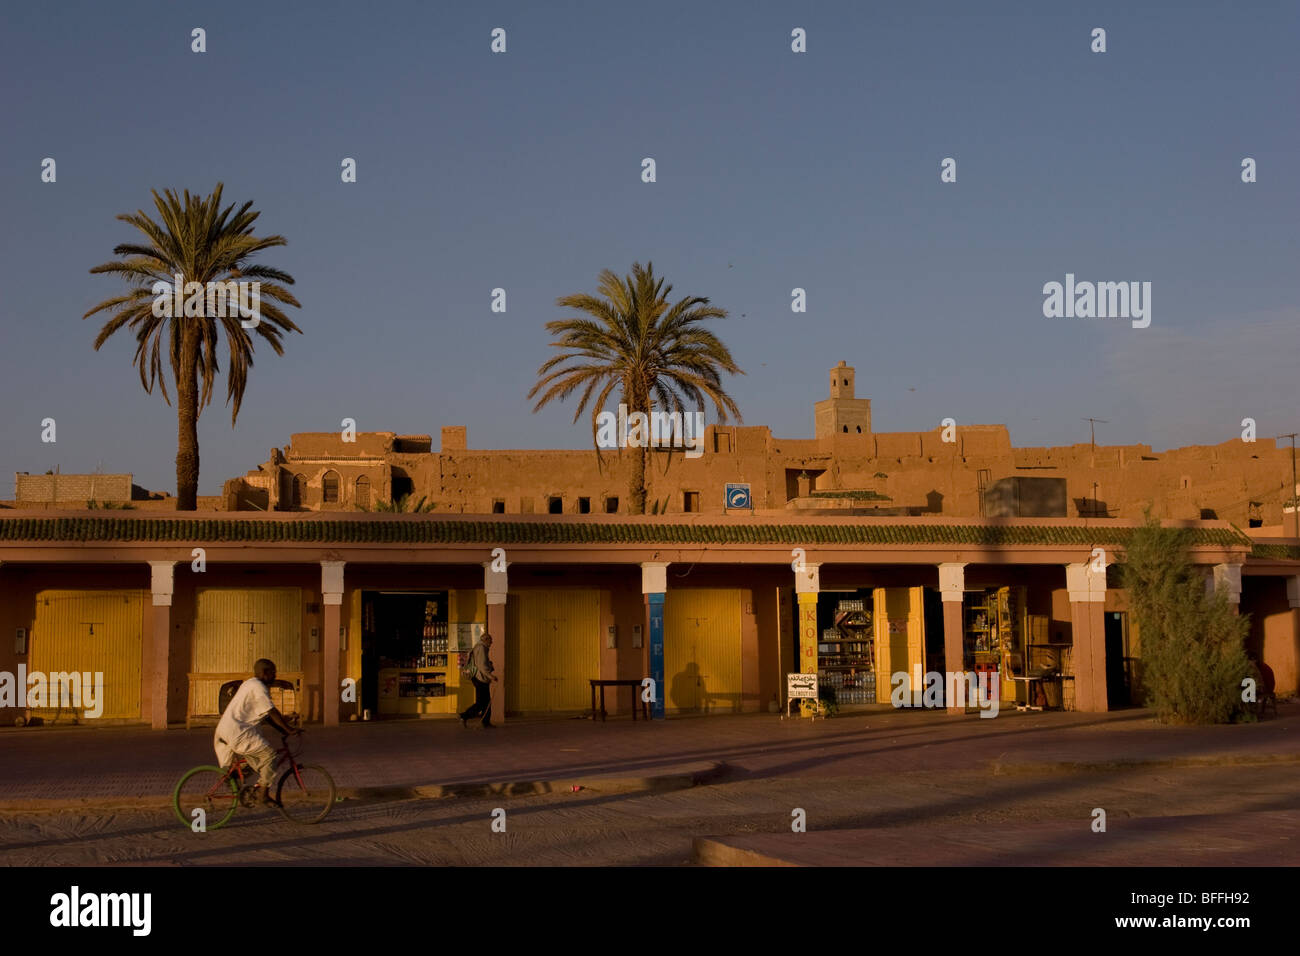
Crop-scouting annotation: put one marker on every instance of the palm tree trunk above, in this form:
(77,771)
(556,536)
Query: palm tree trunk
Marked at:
(637,490)
(637,400)
(187,414)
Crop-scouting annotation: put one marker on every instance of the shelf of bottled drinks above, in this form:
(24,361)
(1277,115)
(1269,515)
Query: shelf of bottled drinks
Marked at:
(846,659)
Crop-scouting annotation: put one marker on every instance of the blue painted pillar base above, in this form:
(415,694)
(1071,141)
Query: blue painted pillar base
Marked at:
(656,602)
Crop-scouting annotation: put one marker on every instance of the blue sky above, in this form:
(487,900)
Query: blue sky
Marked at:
(775,170)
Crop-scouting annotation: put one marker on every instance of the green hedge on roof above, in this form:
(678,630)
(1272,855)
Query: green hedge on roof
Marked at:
(435,531)
(857,495)
(1276,552)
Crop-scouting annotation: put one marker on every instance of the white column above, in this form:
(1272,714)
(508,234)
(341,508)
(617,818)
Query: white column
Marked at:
(331,586)
(952,588)
(496,583)
(162,586)
(952,581)
(654,577)
(162,582)
(496,588)
(1087,587)
(1227,579)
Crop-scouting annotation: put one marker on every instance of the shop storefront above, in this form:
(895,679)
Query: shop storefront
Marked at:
(1030,667)
(395,604)
(413,645)
(867,635)
(846,649)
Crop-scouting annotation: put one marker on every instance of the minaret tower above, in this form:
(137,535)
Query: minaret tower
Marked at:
(842,415)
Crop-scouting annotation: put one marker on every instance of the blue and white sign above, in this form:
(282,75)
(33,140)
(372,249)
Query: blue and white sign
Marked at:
(738,496)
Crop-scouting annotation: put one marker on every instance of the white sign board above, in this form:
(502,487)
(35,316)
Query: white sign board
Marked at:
(464,634)
(801,686)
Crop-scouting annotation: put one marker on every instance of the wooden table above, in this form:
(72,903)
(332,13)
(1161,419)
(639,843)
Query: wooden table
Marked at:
(602,684)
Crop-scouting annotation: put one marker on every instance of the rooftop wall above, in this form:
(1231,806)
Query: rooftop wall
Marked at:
(331,444)
(72,488)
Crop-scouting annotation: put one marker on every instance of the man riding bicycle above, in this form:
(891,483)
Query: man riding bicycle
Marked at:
(237,734)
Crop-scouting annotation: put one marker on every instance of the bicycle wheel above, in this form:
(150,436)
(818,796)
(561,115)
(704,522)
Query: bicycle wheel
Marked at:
(306,795)
(207,789)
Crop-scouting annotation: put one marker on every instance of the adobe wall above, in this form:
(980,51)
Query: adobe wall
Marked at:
(331,444)
(917,472)
(72,489)
(1274,629)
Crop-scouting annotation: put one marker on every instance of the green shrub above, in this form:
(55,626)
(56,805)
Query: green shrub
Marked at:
(1192,643)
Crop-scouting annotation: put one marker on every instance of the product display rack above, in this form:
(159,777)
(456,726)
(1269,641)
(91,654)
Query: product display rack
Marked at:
(846,657)
(994,625)
(1013,631)
(980,642)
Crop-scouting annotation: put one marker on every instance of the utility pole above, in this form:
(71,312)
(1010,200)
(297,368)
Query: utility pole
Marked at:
(1092,459)
(1092,430)
(1295,505)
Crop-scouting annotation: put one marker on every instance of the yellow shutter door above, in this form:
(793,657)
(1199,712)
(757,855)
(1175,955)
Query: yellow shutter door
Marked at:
(95,631)
(353,669)
(552,649)
(233,627)
(220,639)
(702,650)
(900,638)
(916,633)
(880,634)
(276,616)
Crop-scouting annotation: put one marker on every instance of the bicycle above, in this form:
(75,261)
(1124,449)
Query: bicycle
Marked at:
(304,794)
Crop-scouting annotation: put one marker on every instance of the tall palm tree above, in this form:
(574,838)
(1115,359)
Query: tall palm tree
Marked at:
(631,339)
(196,239)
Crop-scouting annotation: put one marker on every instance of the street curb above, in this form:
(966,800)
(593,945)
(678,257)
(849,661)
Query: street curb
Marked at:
(710,851)
(681,778)
(1016,768)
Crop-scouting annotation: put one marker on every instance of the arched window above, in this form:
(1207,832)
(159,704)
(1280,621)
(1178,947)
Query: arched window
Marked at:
(330,487)
(299,490)
(363,492)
